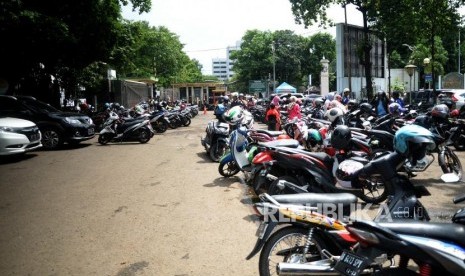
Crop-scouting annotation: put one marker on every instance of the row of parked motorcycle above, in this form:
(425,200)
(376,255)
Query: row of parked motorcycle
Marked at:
(118,124)
(321,164)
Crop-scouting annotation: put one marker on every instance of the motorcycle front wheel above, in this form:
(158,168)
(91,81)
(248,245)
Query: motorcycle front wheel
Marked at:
(217,150)
(374,190)
(104,139)
(186,122)
(160,126)
(286,245)
(228,169)
(144,136)
(450,163)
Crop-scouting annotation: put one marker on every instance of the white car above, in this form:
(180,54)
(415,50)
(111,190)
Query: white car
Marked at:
(458,97)
(18,136)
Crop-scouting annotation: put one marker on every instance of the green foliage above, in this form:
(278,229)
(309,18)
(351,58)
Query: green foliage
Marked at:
(398,86)
(292,59)
(60,37)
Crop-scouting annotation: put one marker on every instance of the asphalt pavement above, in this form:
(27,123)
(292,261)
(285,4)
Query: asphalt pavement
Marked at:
(159,208)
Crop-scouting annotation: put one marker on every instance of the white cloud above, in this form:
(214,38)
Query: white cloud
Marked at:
(207,27)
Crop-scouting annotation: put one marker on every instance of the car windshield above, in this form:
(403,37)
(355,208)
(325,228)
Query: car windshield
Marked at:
(38,106)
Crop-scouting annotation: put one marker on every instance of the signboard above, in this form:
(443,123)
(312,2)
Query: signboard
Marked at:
(257,86)
(428,77)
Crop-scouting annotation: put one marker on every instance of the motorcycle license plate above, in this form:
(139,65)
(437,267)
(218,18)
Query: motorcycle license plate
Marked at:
(90,131)
(351,264)
(263,173)
(261,230)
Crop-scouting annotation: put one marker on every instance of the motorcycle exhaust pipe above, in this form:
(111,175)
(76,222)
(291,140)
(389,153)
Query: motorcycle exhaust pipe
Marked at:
(313,268)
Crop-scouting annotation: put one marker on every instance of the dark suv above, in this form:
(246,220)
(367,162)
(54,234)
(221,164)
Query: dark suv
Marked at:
(56,126)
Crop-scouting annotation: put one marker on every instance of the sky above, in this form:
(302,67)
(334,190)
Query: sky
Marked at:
(207,27)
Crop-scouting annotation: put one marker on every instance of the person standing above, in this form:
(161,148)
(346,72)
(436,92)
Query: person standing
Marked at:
(293,109)
(397,99)
(273,118)
(381,104)
(346,97)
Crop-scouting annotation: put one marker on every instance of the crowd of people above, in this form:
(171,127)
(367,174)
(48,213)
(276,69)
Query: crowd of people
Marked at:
(381,103)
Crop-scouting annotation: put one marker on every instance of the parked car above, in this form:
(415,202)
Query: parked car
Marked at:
(18,136)
(57,127)
(458,96)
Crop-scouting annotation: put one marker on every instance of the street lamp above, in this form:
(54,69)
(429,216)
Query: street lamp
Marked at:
(410,68)
(426,62)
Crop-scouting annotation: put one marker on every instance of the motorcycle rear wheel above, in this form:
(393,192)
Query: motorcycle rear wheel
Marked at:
(228,169)
(286,245)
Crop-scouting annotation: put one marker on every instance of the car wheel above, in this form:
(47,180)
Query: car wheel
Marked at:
(51,138)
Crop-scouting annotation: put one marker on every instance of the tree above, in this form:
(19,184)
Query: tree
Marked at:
(312,11)
(317,46)
(52,37)
(261,51)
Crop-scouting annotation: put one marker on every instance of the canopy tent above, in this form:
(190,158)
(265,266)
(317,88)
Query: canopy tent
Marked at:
(285,88)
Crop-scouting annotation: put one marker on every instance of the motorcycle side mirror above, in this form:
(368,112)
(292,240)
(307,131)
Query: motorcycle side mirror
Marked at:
(450,177)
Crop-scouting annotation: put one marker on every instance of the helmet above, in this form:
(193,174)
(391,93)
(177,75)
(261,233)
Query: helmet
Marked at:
(346,173)
(338,97)
(334,113)
(314,137)
(330,96)
(234,115)
(318,102)
(139,110)
(394,108)
(408,139)
(340,138)
(366,108)
(116,106)
(352,104)
(107,105)
(440,111)
(423,121)
(455,113)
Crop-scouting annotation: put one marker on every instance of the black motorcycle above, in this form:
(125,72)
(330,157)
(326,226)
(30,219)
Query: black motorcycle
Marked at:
(116,129)
(216,139)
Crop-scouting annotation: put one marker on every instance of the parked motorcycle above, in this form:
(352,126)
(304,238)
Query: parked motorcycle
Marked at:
(116,129)
(159,121)
(437,248)
(309,245)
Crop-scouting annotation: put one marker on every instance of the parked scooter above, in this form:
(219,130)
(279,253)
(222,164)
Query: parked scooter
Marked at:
(116,129)
(307,246)
(437,248)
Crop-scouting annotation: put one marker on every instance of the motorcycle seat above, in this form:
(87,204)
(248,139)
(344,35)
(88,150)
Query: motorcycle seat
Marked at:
(270,133)
(317,198)
(288,143)
(452,232)
(133,122)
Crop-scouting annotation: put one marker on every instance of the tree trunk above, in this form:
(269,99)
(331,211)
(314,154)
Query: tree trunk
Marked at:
(367,59)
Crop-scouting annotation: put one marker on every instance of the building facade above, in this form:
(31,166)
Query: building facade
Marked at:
(223,67)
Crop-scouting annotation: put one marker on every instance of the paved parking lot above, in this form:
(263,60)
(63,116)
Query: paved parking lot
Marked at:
(132,209)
